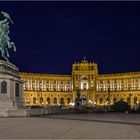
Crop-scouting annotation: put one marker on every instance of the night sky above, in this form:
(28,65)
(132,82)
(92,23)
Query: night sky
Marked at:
(51,36)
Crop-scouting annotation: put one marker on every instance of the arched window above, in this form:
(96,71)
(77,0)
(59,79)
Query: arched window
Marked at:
(48,100)
(4,87)
(68,100)
(41,100)
(34,100)
(61,101)
(55,100)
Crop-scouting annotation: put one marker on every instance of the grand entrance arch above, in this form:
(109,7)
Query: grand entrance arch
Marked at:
(84,83)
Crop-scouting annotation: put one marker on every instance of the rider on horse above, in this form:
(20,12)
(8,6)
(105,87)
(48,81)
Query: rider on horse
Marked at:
(5,42)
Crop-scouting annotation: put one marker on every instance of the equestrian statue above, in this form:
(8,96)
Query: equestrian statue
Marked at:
(5,41)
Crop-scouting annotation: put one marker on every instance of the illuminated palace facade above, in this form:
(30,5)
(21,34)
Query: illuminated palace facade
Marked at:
(99,89)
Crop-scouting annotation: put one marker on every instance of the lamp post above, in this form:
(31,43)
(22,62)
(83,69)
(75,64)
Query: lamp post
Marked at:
(108,97)
(130,99)
(36,102)
(94,105)
(41,100)
(137,104)
(46,104)
(28,111)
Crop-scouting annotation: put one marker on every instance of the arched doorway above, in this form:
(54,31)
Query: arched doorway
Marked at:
(84,82)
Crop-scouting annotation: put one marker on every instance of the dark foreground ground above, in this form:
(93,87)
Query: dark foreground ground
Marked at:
(72,126)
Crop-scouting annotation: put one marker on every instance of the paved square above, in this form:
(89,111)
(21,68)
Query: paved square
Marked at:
(72,126)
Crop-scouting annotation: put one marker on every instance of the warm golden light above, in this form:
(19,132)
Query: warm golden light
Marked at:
(99,89)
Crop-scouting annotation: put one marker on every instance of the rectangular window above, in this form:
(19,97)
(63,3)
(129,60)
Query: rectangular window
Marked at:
(17,89)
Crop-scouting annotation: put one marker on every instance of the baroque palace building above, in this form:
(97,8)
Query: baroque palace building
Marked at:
(96,89)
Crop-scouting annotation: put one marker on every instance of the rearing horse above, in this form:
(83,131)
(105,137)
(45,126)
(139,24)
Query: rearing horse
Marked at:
(5,42)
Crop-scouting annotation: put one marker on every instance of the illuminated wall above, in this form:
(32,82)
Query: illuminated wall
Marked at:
(50,89)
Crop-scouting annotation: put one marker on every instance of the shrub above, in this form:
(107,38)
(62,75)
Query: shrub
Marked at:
(121,106)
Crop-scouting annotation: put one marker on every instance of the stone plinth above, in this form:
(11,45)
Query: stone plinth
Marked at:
(11,89)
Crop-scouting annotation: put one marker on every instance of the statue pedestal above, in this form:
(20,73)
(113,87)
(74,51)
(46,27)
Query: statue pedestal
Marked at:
(11,90)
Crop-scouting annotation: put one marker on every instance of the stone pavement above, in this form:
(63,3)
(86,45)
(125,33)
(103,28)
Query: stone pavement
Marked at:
(72,126)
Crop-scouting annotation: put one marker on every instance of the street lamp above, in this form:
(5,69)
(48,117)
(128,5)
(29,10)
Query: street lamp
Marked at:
(136,107)
(130,99)
(36,102)
(108,96)
(41,100)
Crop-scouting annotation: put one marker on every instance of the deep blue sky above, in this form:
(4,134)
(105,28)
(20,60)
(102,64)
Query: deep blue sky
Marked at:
(51,36)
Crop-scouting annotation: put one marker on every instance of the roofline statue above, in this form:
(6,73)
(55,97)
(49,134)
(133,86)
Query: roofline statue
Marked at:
(5,41)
